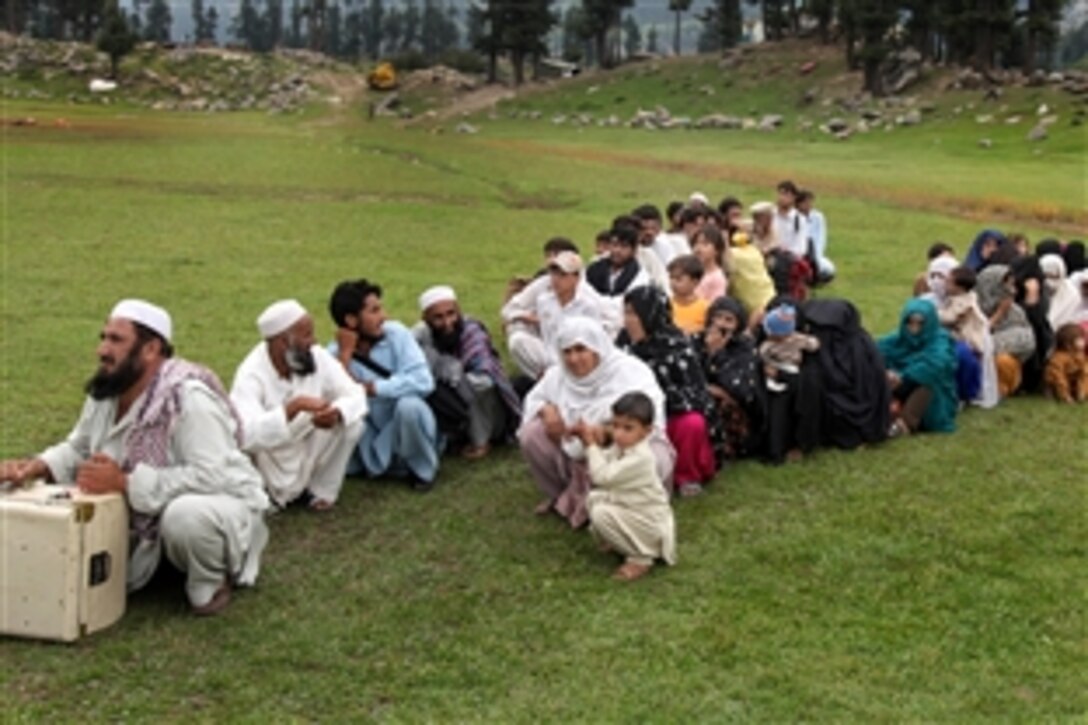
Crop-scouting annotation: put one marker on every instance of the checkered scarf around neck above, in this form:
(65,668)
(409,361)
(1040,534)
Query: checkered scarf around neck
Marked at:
(148,440)
(478,356)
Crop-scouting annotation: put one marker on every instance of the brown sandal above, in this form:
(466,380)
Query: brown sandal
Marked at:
(629,571)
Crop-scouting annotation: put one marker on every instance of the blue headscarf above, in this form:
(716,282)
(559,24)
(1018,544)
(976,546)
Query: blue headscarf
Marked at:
(974,257)
(928,359)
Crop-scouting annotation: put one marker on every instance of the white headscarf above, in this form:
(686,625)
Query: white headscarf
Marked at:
(1065,298)
(591,396)
(937,275)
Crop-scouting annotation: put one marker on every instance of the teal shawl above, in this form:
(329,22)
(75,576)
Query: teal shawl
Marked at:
(927,359)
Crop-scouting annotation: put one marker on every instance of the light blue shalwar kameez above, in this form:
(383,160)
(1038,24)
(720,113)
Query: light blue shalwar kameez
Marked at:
(401,435)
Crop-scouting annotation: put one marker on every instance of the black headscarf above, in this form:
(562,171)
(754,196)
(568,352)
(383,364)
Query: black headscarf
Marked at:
(671,356)
(1023,269)
(1074,256)
(1048,246)
(738,370)
(855,393)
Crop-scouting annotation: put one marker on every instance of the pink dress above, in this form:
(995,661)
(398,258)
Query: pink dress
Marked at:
(712,286)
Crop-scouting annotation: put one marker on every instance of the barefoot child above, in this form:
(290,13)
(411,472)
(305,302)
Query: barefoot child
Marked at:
(629,510)
(1067,369)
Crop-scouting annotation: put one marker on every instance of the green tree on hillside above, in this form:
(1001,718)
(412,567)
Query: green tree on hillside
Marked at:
(115,38)
(723,26)
(573,34)
(204,22)
(603,17)
(632,36)
(372,28)
(1041,30)
(651,39)
(158,22)
(678,8)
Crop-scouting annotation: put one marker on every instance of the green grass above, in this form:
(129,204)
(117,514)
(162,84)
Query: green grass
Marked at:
(935,578)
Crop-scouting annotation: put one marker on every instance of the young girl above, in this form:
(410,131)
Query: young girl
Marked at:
(629,510)
(688,308)
(709,246)
(1067,369)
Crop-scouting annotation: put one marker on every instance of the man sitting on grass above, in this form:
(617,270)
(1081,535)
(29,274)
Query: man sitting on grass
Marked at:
(162,432)
(401,434)
(302,413)
(474,402)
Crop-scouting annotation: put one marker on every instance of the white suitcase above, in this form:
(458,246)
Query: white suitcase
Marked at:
(63,560)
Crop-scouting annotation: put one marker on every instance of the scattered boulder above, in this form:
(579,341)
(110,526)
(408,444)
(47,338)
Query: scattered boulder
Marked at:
(466,128)
(985,143)
(910,118)
(718,120)
(844,134)
(1012,120)
(984,118)
(901,69)
(1038,133)
(837,125)
(770,122)
(871,115)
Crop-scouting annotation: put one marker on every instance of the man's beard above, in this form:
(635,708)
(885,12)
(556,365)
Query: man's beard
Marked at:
(110,385)
(448,342)
(300,361)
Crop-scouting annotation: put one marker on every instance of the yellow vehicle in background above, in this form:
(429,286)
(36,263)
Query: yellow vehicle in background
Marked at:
(382,78)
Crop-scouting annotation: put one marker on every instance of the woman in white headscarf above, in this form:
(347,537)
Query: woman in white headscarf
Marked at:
(592,375)
(1065,299)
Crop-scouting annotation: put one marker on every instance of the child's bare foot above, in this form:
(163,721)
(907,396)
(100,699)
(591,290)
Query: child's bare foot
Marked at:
(629,571)
(795,455)
(544,507)
(604,547)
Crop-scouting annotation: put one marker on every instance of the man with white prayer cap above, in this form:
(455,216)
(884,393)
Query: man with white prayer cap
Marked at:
(301,412)
(474,403)
(162,431)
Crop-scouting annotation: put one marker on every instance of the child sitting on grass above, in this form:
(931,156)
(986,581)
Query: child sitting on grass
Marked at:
(629,509)
(959,312)
(688,308)
(1067,370)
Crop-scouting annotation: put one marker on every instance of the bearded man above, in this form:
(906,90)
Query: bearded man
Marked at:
(162,431)
(465,365)
(301,413)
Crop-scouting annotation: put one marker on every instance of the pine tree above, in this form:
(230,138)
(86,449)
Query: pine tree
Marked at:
(373,26)
(601,17)
(115,38)
(411,25)
(157,25)
(651,39)
(632,36)
(678,7)
(211,24)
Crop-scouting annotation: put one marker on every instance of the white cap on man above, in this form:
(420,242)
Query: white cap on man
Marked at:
(150,316)
(434,295)
(279,316)
(698,197)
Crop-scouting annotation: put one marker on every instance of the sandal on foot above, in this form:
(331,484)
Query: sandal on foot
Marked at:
(544,507)
(216,604)
(689,489)
(629,571)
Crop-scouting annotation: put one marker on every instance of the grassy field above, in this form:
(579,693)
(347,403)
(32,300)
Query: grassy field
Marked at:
(935,578)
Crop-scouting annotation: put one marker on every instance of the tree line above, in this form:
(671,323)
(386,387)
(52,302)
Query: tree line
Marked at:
(985,34)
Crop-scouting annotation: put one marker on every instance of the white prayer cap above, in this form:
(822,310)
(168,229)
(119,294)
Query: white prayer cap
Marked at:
(434,295)
(150,316)
(279,316)
(763,207)
(698,197)
(567,263)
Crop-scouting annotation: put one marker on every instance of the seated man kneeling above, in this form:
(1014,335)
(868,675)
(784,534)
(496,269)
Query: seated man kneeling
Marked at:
(162,432)
(301,413)
(401,435)
(474,402)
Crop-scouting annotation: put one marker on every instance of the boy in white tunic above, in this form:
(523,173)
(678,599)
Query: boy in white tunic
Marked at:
(629,509)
